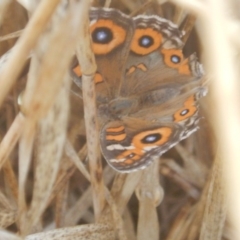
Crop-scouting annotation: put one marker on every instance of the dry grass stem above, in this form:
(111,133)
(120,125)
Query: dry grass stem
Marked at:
(25,44)
(88,66)
(70,152)
(195,6)
(25,151)
(188,26)
(149,194)
(11,180)
(53,126)
(11,138)
(4,201)
(129,224)
(194,170)
(117,223)
(170,169)
(183,223)
(61,206)
(142,9)
(107,3)
(76,212)
(177,17)
(130,5)
(225,93)
(30,6)
(11,35)
(3,7)
(216,205)
(123,187)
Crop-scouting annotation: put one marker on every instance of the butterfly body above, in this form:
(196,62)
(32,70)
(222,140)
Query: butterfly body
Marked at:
(147,92)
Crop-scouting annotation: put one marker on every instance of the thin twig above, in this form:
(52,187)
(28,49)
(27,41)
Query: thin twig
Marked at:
(11,35)
(11,138)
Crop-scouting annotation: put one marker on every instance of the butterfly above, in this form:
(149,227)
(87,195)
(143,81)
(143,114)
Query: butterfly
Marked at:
(147,92)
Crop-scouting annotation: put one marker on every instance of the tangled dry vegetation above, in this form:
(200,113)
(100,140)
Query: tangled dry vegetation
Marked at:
(52,187)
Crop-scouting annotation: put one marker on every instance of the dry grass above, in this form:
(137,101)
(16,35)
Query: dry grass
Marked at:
(48,189)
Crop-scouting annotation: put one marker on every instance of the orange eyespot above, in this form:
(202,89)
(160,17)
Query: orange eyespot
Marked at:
(174,59)
(154,137)
(131,155)
(187,111)
(145,41)
(106,36)
(143,140)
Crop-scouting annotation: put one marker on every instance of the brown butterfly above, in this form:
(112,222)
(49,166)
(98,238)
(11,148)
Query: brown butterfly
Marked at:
(147,92)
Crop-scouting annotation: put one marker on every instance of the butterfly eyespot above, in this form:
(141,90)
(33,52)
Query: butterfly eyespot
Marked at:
(106,36)
(152,138)
(175,59)
(131,155)
(187,111)
(145,41)
(102,35)
(184,112)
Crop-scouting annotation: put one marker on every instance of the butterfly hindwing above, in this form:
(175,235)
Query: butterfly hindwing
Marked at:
(126,148)
(133,142)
